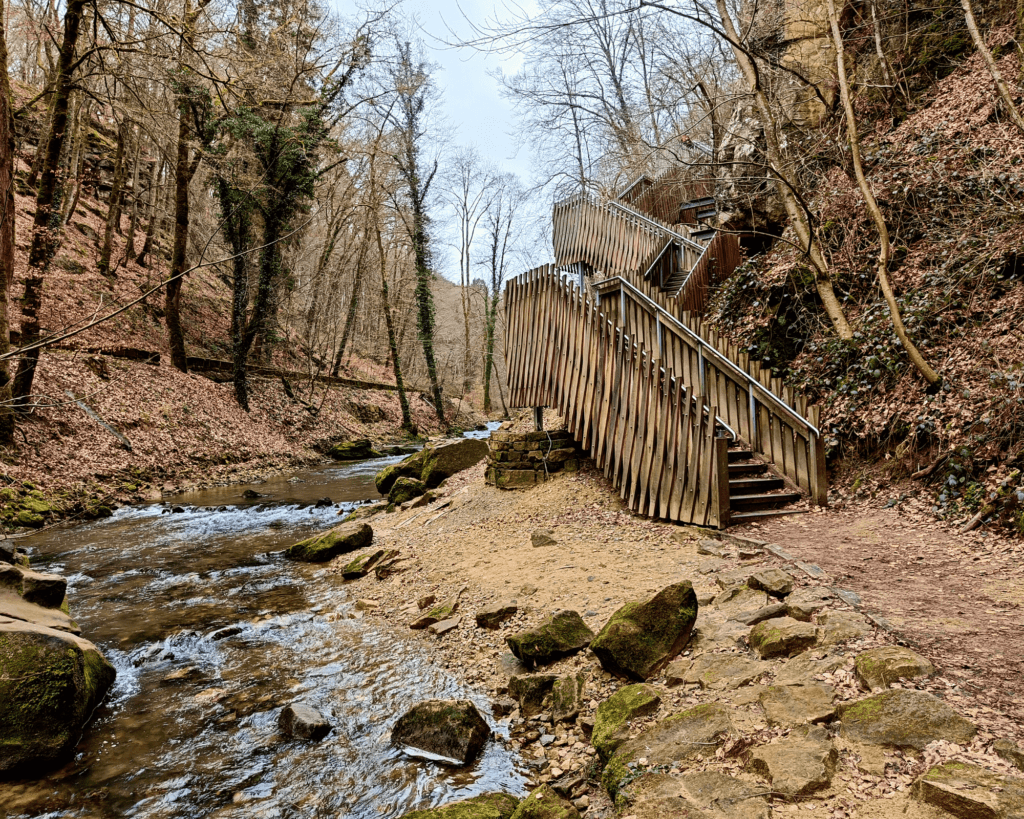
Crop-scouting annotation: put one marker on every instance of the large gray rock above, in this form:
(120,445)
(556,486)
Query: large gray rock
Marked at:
(836,627)
(878,667)
(806,602)
(353,450)
(341,539)
(775,581)
(717,672)
(405,489)
(46,590)
(640,638)
(614,714)
(560,635)
(532,692)
(804,669)
(700,795)
(303,721)
(50,683)
(904,719)
(485,806)
(696,732)
(799,765)
(451,729)
(492,616)
(971,792)
(434,463)
(782,637)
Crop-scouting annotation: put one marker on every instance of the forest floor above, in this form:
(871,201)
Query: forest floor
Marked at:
(953,598)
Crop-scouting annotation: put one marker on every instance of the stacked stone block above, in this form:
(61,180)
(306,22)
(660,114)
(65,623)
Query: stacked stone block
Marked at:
(521,459)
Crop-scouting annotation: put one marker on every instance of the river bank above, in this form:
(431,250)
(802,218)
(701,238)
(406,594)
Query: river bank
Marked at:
(475,544)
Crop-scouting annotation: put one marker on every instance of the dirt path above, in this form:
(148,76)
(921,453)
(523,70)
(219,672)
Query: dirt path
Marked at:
(955,598)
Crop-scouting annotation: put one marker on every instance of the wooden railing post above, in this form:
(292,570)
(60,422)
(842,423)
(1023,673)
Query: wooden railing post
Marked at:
(720,512)
(819,476)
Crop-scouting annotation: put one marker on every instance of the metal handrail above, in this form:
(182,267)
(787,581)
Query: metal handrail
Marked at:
(720,359)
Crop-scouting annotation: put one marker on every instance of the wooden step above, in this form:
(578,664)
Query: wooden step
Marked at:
(706,214)
(703,235)
(750,486)
(699,203)
(740,455)
(746,502)
(755,468)
(761,514)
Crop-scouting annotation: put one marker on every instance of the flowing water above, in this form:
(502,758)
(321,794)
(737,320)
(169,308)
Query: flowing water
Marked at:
(190,727)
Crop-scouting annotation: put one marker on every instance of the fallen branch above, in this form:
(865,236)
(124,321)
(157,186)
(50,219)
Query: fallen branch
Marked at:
(88,411)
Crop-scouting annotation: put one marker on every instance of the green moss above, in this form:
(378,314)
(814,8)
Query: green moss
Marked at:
(544,803)
(405,489)
(559,635)
(627,703)
(615,773)
(8,494)
(442,612)
(320,548)
(486,806)
(27,518)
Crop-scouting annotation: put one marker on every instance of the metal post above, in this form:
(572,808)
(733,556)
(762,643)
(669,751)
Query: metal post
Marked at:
(657,324)
(753,418)
(538,419)
(700,370)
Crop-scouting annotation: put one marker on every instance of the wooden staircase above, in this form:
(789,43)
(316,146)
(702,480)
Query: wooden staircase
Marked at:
(756,491)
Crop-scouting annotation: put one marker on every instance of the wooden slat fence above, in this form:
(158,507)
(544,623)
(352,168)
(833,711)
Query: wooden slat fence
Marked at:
(652,434)
(773,419)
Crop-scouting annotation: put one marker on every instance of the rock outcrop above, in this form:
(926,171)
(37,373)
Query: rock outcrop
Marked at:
(345,538)
(904,719)
(435,463)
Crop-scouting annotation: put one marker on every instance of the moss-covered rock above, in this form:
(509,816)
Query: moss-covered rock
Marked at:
(614,714)
(485,806)
(640,638)
(50,683)
(363,512)
(567,697)
(971,792)
(904,719)
(411,467)
(452,729)
(544,803)
(782,637)
(353,451)
(532,692)
(345,538)
(448,458)
(405,489)
(560,635)
(878,667)
(362,565)
(442,611)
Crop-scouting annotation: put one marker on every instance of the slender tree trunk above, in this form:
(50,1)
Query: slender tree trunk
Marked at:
(154,218)
(353,305)
(425,305)
(1002,89)
(6,239)
(114,203)
(786,185)
(129,242)
(492,320)
(49,197)
(882,269)
(403,400)
(172,299)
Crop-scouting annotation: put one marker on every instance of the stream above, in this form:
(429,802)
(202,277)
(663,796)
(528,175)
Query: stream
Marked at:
(190,726)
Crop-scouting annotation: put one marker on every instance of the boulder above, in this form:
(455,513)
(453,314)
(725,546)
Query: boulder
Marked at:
(696,732)
(362,565)
(805,668)
(448,458)
(353,451)
(50,684)
(614,714)
(303,722)
(878,667)
(411,467)
(904,719)
(560,635)
(1007,750)
(971,792)
(775,582)
(837,627)
(782,637)
(344,538)
(799,765)
(542,537)
(46,590)
(485,806)
(718,672)
(544,803)
(12,554)
(405,489)
(768,612)
(367,511)
(640,638)
(451,729)
(442,611)
(531,691)
(442,627)
(789,705)
(567,697)
(494,615)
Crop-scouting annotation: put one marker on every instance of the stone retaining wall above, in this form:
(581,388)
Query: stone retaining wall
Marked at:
(521,459)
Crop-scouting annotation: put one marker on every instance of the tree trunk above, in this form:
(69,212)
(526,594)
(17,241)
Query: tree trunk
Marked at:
(46,223)
(6,240)
(114,203)
(492,320)
(882,269)
(1002,89)
(403,400)
(172,299)
(353,304)
(147,244)
(129,242)
(425,305)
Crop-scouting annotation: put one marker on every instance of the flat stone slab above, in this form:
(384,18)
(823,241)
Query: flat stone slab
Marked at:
(971,792)
(18,608)
(493,616)
(805,668)
(804,603)
(768,612)
(740,598)
(782,637)
(878,667)
(904,719)
(775,581)
(444,626)
(837,627)
(799,765)
(718,672)
(704,795)
(791,705)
